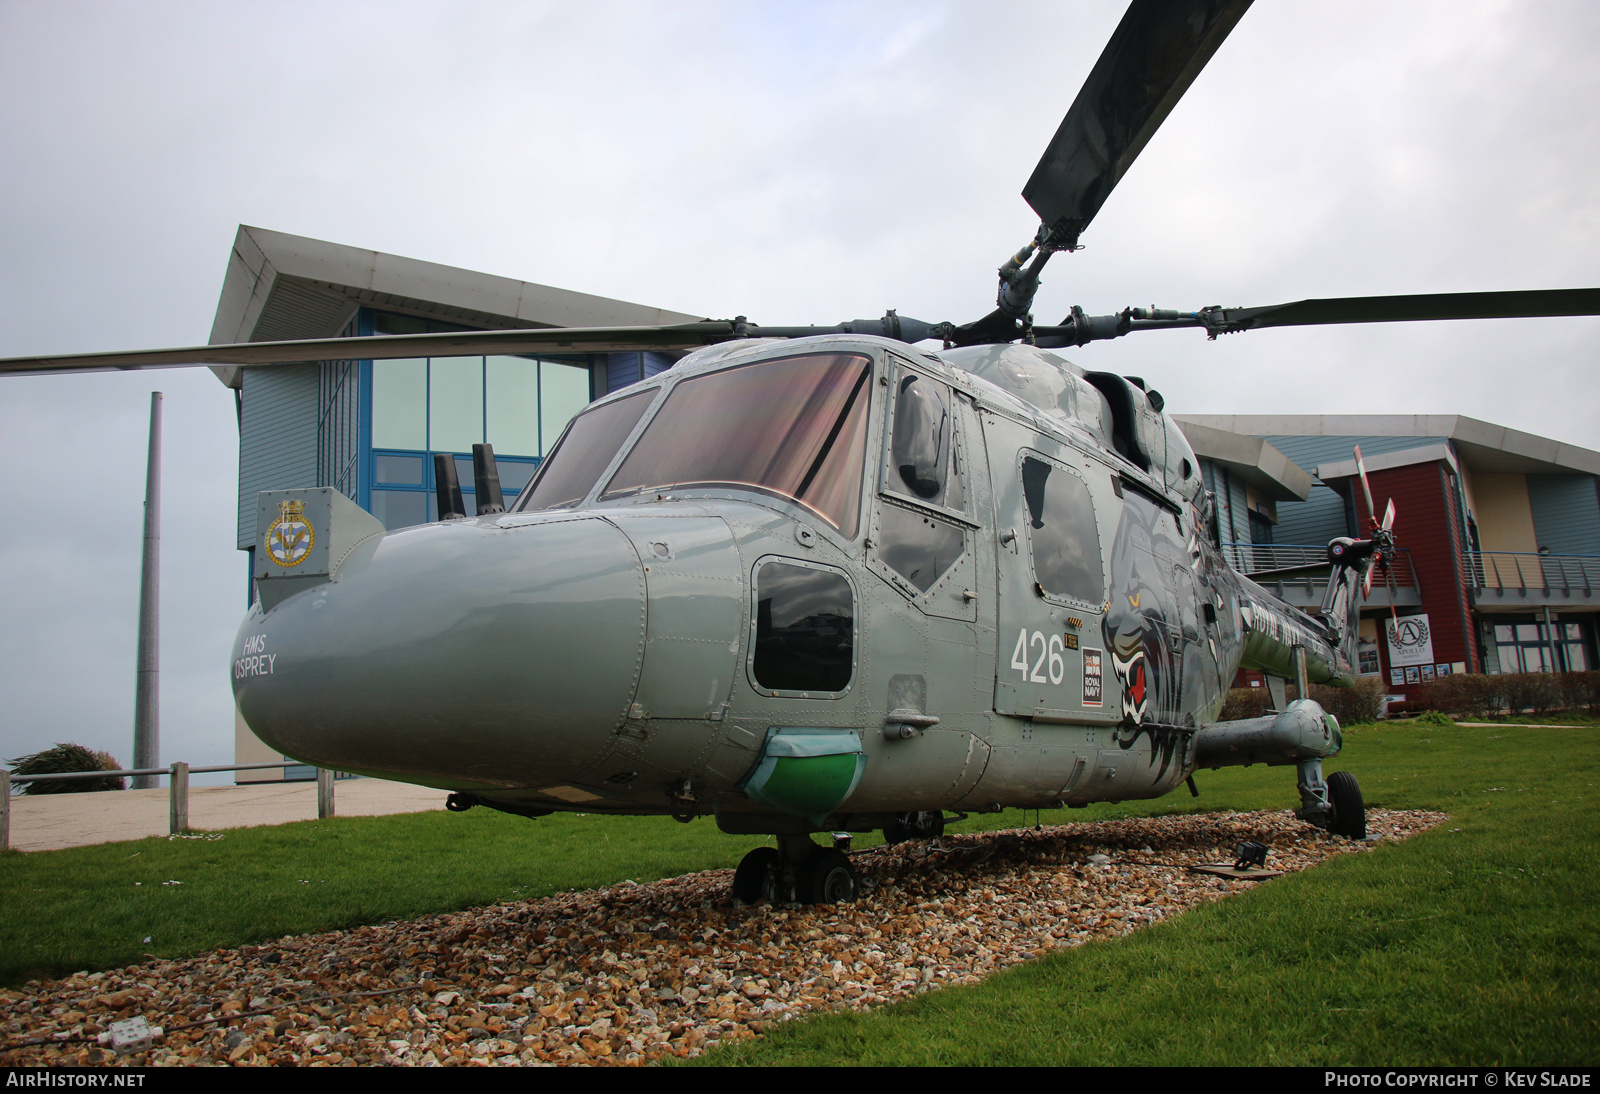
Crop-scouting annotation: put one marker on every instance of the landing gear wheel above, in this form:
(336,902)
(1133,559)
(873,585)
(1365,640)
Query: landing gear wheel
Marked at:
(825,877)
(756,879)
(908,826)
(1349,811)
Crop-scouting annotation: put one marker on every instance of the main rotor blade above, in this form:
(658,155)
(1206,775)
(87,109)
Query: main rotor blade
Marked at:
(1416,308)
(1078,329)
(389,346)
(471,343)
(1156,52)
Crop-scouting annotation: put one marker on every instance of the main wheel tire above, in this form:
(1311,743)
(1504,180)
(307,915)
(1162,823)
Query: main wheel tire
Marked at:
(757,875)
(826,877)
(1349,811)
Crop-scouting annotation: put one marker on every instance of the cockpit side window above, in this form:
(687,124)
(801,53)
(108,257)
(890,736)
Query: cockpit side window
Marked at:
(583,452)
(795,427)
(919,544)
(924,457)
(921,442)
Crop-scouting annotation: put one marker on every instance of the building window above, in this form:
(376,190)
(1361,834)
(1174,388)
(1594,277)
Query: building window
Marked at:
(1525,647)
(447,404)
(1260,528)
(422,405)
(339,426)
(403,486)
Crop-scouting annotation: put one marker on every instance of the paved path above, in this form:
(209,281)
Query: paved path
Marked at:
(1513,725)
(50,821)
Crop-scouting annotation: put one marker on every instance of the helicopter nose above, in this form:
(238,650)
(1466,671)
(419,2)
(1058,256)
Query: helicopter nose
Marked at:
(468,654)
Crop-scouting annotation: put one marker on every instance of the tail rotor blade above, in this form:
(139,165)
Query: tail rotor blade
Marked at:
(1366,488)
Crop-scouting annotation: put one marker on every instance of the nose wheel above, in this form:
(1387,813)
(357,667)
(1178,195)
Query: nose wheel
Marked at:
(758,876)
(1349,810)
(797,871)
(825,877)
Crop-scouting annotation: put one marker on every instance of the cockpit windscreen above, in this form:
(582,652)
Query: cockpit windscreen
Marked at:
(584,450)
(795,427)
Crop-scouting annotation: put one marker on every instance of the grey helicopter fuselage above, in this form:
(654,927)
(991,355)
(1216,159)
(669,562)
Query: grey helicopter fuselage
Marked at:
(800,585)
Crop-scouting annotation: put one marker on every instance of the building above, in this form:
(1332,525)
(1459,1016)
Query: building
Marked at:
(1499,533)
(370,429)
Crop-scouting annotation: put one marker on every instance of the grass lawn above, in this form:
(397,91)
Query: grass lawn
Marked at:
(1474,943)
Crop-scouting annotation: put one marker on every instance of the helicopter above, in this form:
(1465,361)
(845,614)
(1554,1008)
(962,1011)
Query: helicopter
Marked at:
(822,579)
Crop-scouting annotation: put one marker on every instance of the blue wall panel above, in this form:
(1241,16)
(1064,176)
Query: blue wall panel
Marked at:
(1318,519)
(625,369)
(1566,513)
(277,436)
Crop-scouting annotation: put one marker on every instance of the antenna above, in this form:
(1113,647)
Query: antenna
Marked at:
(447,487)
(486,477)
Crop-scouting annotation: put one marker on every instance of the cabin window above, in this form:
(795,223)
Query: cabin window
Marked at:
(1062,532)
(805,629)
(795,427)
(584,450)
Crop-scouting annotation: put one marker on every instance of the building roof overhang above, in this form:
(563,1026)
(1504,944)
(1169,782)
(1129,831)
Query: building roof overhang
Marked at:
(280,286)
(1437,452)
(1250,459)
(1482,446)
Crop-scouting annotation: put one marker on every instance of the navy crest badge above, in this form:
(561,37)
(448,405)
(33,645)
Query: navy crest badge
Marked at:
(290,538)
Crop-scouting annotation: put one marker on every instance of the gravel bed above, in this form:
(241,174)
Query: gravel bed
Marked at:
(633,973)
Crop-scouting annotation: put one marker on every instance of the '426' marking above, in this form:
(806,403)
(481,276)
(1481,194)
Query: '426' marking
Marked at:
(1050,652)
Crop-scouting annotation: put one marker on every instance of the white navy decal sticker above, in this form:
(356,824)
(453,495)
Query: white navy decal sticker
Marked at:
(1091,678)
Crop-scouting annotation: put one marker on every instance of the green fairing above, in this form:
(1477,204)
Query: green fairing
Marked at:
(810,786)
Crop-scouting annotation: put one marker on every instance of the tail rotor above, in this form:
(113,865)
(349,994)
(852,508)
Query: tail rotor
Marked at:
(1380,532)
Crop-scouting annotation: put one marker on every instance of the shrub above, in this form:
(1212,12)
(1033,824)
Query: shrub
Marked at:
(1353,705)
(1581,691)
(1244,703)
(1475,695)
(62,759)
(1434,718)
(1470,696)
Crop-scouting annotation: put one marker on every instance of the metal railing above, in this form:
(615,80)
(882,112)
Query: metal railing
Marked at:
(1524,571)
(177,790)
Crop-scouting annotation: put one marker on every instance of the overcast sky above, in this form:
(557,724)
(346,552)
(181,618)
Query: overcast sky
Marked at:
(797,163)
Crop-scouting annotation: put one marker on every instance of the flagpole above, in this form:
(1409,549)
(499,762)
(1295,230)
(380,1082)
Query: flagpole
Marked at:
(147,689)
